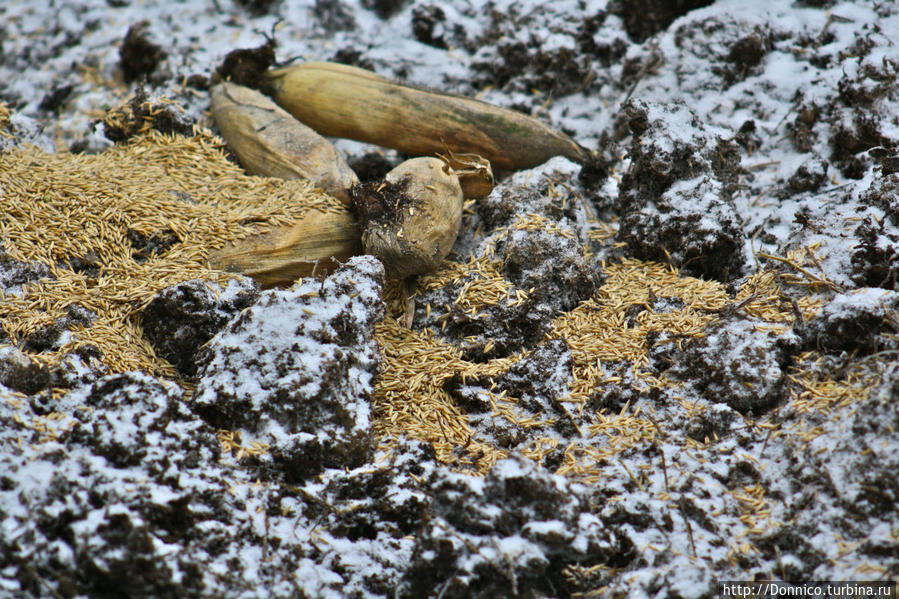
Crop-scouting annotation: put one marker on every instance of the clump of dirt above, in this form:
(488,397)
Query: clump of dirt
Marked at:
(384,8)
(811,175)
(391,500)
(728,51)
(146,246)
(875,260)
(373,166)
(884,194)
(247,66)
(855,132)
(802,131)
(537,400)
(863,321)
(258,7)
(334,15)
(20,372)
(139,55)
(675,200)
(354,58)
(744,368)
(52,337)
(380,203)
(122,421)
(15,273)
(510,322)
(56,98)
(516,65)
(549,519)
(644,18)
(550,267)
(309,358)
(182,318)
(429,25)
(745,55)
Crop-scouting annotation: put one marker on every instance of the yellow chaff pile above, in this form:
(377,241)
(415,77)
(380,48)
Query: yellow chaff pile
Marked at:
(72,212)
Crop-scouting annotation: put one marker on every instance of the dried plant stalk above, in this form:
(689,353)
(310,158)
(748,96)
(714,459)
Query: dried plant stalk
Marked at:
(343,101)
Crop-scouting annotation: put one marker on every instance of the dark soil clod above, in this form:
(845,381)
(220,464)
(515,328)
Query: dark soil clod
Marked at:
(247,66)
(139,56)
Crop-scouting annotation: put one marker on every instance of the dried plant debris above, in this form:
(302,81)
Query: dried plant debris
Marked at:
(571,413)
(78,231)
(344,101)
(138,114)
(411,219)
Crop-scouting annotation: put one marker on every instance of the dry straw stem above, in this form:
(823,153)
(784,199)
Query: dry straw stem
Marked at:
(343,101)
(270,142)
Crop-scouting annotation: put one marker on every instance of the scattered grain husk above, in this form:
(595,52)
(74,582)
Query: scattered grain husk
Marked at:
(70,210)
(343,101)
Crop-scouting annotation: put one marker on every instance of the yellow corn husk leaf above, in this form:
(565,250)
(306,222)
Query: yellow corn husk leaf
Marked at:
(474,172)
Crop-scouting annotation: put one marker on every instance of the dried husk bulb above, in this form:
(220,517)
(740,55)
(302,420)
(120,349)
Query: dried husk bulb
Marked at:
(411,219)
(270,142)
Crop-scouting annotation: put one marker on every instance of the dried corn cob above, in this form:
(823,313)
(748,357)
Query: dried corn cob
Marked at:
(268,141)
(343,101)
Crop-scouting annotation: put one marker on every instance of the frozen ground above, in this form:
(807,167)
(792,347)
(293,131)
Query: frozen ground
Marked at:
(663,432)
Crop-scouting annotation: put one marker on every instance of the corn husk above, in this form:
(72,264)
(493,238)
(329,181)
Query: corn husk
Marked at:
(343,101)
(315,244)
(268,141)
(474,172)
